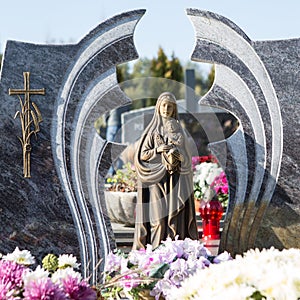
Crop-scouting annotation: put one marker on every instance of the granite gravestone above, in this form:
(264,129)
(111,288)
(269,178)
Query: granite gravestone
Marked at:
(51,199)
(50,183)
(259,83)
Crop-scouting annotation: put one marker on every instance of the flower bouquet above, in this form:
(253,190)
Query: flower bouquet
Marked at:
(56,279)
(209,180)
(266,274)
(154,273)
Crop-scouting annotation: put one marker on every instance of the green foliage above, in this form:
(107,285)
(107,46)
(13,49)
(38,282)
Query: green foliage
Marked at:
(160,271)
(123,72)
(111,292)
(160,67)
(125,179)
(171,69)
(168,73)
(166,68)
(132,77)
(159,64)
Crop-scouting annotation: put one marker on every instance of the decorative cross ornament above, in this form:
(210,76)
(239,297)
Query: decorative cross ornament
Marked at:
(29,118)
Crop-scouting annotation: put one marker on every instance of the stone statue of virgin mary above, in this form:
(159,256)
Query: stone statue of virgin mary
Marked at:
(165,205)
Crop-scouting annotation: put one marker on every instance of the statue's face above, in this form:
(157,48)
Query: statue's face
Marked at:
(166,109)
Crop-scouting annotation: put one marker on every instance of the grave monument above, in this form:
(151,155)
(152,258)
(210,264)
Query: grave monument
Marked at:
(53,163)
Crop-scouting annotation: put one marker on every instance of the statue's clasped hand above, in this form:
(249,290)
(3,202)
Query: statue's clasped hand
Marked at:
(163,148)
(177,155)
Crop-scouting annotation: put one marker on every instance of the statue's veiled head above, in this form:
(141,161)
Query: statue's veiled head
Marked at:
(166,106)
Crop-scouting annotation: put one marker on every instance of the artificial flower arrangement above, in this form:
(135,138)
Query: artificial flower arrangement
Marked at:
(55,280)
(185,269)
(267,274)
(209,179)
(153,273)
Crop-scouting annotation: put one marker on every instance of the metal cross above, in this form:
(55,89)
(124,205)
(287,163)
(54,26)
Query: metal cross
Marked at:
(28,118)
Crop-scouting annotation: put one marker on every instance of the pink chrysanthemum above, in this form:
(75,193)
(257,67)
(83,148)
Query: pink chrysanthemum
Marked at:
(6,291)
(220,184)
(78,290)
(44,289)
(10,277)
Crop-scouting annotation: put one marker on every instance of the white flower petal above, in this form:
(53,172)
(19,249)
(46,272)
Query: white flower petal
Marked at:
(22,257)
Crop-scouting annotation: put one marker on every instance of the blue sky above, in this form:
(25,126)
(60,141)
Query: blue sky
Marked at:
(165,23)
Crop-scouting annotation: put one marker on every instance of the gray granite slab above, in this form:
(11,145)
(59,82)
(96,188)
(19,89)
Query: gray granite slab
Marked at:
(60,207)
(258,82)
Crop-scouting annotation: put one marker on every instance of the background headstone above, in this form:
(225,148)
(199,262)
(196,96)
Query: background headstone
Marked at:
(204,124)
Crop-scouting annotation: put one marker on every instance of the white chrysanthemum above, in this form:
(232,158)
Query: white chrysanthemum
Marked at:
(203,177)
(35,275)
(21,257)
(66,261)
(206,173)
(272,273)
(61,274)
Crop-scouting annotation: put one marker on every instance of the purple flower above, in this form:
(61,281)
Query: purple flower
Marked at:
(173,248)
(186,248)
(161,288)
(174,276)
(78,290)
(44,289)
(179,270)
(113,262)
(11,276)
(220,184)
(203,262)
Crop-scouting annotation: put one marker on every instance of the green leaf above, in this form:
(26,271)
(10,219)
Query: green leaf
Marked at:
(160,271)
(257,296)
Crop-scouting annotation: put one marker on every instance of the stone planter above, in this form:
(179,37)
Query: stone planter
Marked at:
(121,207)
